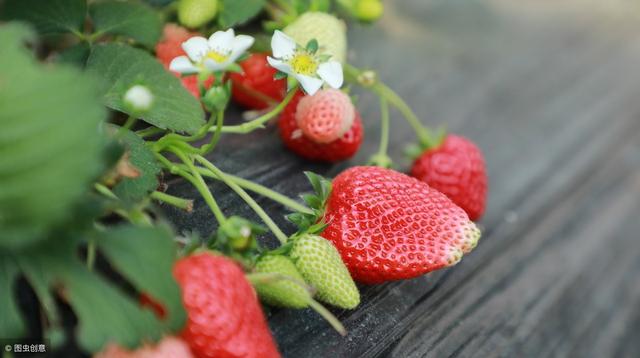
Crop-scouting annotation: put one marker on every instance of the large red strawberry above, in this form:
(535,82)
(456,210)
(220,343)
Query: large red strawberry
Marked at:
(390,226)
(224,316)
(456,168)
(255,87)
(170,47)
(340,149)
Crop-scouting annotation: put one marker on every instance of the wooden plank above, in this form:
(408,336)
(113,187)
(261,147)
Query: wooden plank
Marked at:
(550,99)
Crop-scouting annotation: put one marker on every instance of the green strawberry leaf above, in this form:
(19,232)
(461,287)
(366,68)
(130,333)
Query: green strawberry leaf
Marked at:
(105,313)
(11,324)
(236,12)
(280,75)
(159,2)
(122,66)
(131,19)
(76,55)
(128,249)
(50,16)
(132,190)
(59,139)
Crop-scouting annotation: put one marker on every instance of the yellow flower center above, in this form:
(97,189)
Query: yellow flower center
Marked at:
(217,56)
(304,64)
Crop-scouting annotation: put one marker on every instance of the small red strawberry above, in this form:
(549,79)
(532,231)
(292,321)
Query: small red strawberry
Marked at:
(456,168)
(340,149)
(224,316)
(168,347)
(390,226)
(170,47)
(255,87)
(325,116)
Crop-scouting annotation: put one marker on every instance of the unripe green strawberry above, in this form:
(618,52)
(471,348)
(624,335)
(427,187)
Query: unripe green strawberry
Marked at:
(368,10)
(328,30)
(288,292)
(195,13)
(321,266)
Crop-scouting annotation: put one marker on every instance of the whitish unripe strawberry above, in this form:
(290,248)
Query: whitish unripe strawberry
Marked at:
(328,30)
(325,116)
(195,13)
(290,291)
(321,266)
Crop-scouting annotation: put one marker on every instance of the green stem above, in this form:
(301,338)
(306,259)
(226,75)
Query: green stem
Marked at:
(129,123)
(102,189)
(328,316)
(423,133)
(184,204)
(246,197)
(286,6)
(258,278)
(197,181)
(91,254)
(148,132)
(260,189)
(384,127)
(381,158)
(260,121)
(172,139)
(207,148)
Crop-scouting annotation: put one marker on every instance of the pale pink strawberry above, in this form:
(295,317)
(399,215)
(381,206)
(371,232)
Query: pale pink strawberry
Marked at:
(325,116)
(168,347)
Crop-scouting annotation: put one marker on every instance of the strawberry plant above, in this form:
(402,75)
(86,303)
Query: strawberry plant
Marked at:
(102,100)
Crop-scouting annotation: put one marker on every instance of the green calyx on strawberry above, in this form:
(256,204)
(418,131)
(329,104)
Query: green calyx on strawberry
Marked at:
(236,238)
(317,259)
(390,226)
(195,13)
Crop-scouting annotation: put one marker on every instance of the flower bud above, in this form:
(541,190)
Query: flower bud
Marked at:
(138,99)
(216,98)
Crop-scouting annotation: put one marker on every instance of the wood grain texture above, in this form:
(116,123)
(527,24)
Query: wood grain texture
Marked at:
(552,99)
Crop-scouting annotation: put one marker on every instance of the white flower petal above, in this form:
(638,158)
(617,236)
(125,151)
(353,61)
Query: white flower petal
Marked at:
(196,47)
(282,46)
(182,64)
(279,65)
(222,41)
(331,73)
(214,66)
(240,45)
(309,84)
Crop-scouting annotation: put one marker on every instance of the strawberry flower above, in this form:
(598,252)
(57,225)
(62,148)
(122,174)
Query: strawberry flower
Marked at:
(311,70)
(216,54)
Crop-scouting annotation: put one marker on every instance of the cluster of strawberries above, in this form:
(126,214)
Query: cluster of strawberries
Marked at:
(369,224)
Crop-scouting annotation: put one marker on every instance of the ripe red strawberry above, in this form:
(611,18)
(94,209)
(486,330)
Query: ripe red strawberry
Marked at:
(168,347)
(224,316)
(325,116)
(455,168)
(255,87)
(340,149)
(170,47)
(390,226)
